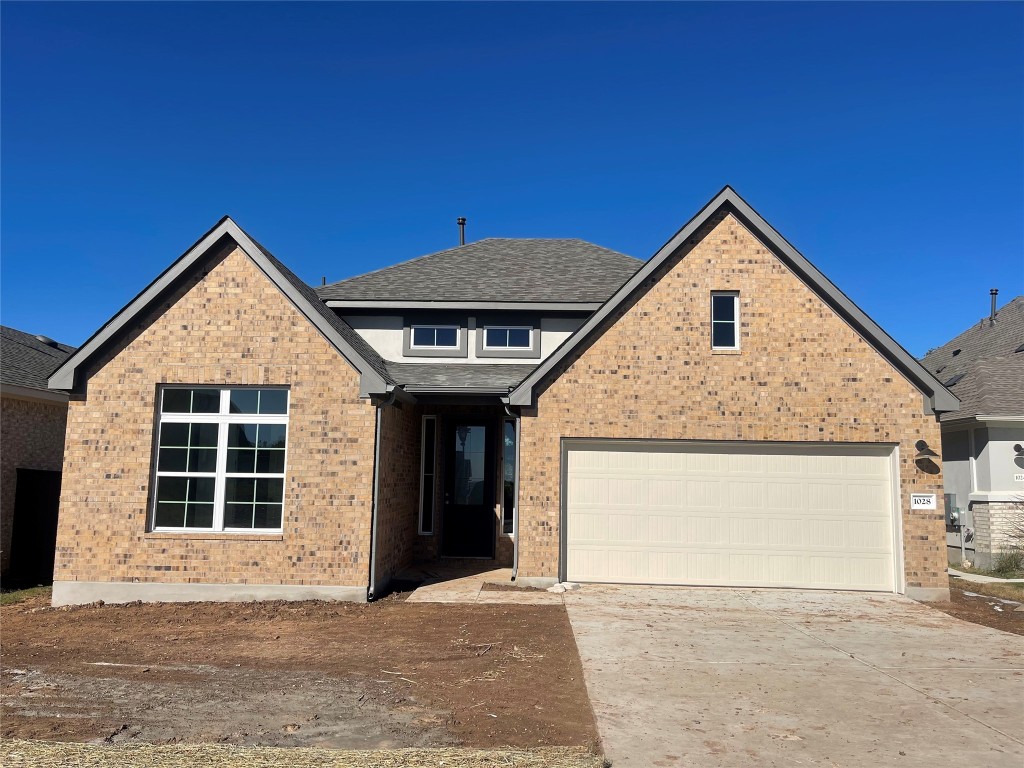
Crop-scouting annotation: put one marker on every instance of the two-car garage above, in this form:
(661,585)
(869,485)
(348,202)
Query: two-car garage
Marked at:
(749,514)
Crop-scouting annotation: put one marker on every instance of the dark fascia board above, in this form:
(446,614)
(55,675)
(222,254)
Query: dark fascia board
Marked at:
(19,392)
(980,418)
(937,397)
(66,376)
(426,389)
(525,306)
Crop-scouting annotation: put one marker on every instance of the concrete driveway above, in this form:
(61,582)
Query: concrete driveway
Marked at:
(719,677)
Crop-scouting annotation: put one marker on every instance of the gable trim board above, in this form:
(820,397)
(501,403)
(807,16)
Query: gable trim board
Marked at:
(67,376)
(936,397)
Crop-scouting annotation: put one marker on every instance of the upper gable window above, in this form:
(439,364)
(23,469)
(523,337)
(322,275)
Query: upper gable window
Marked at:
(220,459)
(435,336)
(508,337)
(725,320)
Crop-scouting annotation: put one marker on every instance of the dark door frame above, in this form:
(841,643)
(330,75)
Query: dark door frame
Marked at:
(468,530)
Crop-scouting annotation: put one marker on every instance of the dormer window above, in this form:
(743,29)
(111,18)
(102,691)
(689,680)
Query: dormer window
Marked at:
(508,337)
(435,336)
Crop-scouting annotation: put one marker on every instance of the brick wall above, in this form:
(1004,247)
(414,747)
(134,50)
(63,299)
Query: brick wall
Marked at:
(32,437)
(229,325)
(399,489)
(802,375)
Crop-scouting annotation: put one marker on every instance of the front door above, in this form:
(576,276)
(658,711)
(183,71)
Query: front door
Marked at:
(468,514)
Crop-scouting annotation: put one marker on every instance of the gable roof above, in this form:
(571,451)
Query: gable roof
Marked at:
(989,367)
(937,397)
(374,377)
(26,360)
(496,270)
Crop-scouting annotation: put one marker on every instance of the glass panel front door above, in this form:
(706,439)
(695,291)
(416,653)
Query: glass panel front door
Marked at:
(468,522)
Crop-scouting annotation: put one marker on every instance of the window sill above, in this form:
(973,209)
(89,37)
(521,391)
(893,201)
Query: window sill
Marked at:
(214,536)
(725,351)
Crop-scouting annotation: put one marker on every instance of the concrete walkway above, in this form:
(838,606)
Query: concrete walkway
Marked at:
(718,677)
(455,587)
(981,579)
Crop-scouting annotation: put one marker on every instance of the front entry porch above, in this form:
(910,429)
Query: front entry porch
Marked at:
(446,489)
(467,467)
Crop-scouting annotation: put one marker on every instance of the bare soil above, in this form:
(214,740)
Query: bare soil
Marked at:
(386,675)
(490,586)
(999,612)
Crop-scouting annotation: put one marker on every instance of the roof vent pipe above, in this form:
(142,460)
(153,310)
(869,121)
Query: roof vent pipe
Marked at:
(462,229)
(992,314)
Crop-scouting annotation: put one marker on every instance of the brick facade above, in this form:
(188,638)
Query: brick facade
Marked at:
(802,374)
(32,436)
(229,325)
(399,489)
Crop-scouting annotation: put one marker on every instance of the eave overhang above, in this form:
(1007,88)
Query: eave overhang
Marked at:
(477,306)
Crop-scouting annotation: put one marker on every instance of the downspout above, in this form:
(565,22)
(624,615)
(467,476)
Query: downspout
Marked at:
(515,493)
(376,492)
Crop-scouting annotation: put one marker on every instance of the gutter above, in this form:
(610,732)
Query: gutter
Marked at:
(536,306)
(20,392)
(371,587)
(433,390)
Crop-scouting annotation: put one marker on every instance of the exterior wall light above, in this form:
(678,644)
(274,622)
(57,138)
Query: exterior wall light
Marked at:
(926,459)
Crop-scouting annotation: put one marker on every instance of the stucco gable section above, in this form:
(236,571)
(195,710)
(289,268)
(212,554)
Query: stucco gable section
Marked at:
(936,397)
(224,235)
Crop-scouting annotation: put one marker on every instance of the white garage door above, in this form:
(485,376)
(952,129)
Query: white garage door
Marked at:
(750,514)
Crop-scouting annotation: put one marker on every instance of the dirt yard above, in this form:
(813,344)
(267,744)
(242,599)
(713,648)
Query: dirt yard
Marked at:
(387,675)
(996,610)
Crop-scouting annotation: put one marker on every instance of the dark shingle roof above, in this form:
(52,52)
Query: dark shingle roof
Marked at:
(496,269)
(492,377)
(25,361)
(990,370)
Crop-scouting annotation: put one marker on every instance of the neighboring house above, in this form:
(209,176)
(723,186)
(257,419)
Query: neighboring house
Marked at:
(982,443)
(719,415)
(32,423)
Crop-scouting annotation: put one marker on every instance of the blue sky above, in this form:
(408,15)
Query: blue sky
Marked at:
(885,141)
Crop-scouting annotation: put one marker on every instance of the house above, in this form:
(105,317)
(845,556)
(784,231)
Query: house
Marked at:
(982,443)
(32,423)
(720,414)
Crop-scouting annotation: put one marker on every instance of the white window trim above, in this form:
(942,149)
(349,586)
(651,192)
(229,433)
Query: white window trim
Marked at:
(414,345)
(222,419)
(529,328)
(735,315)
(423,473)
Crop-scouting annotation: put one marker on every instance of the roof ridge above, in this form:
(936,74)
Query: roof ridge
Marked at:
(447,251)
